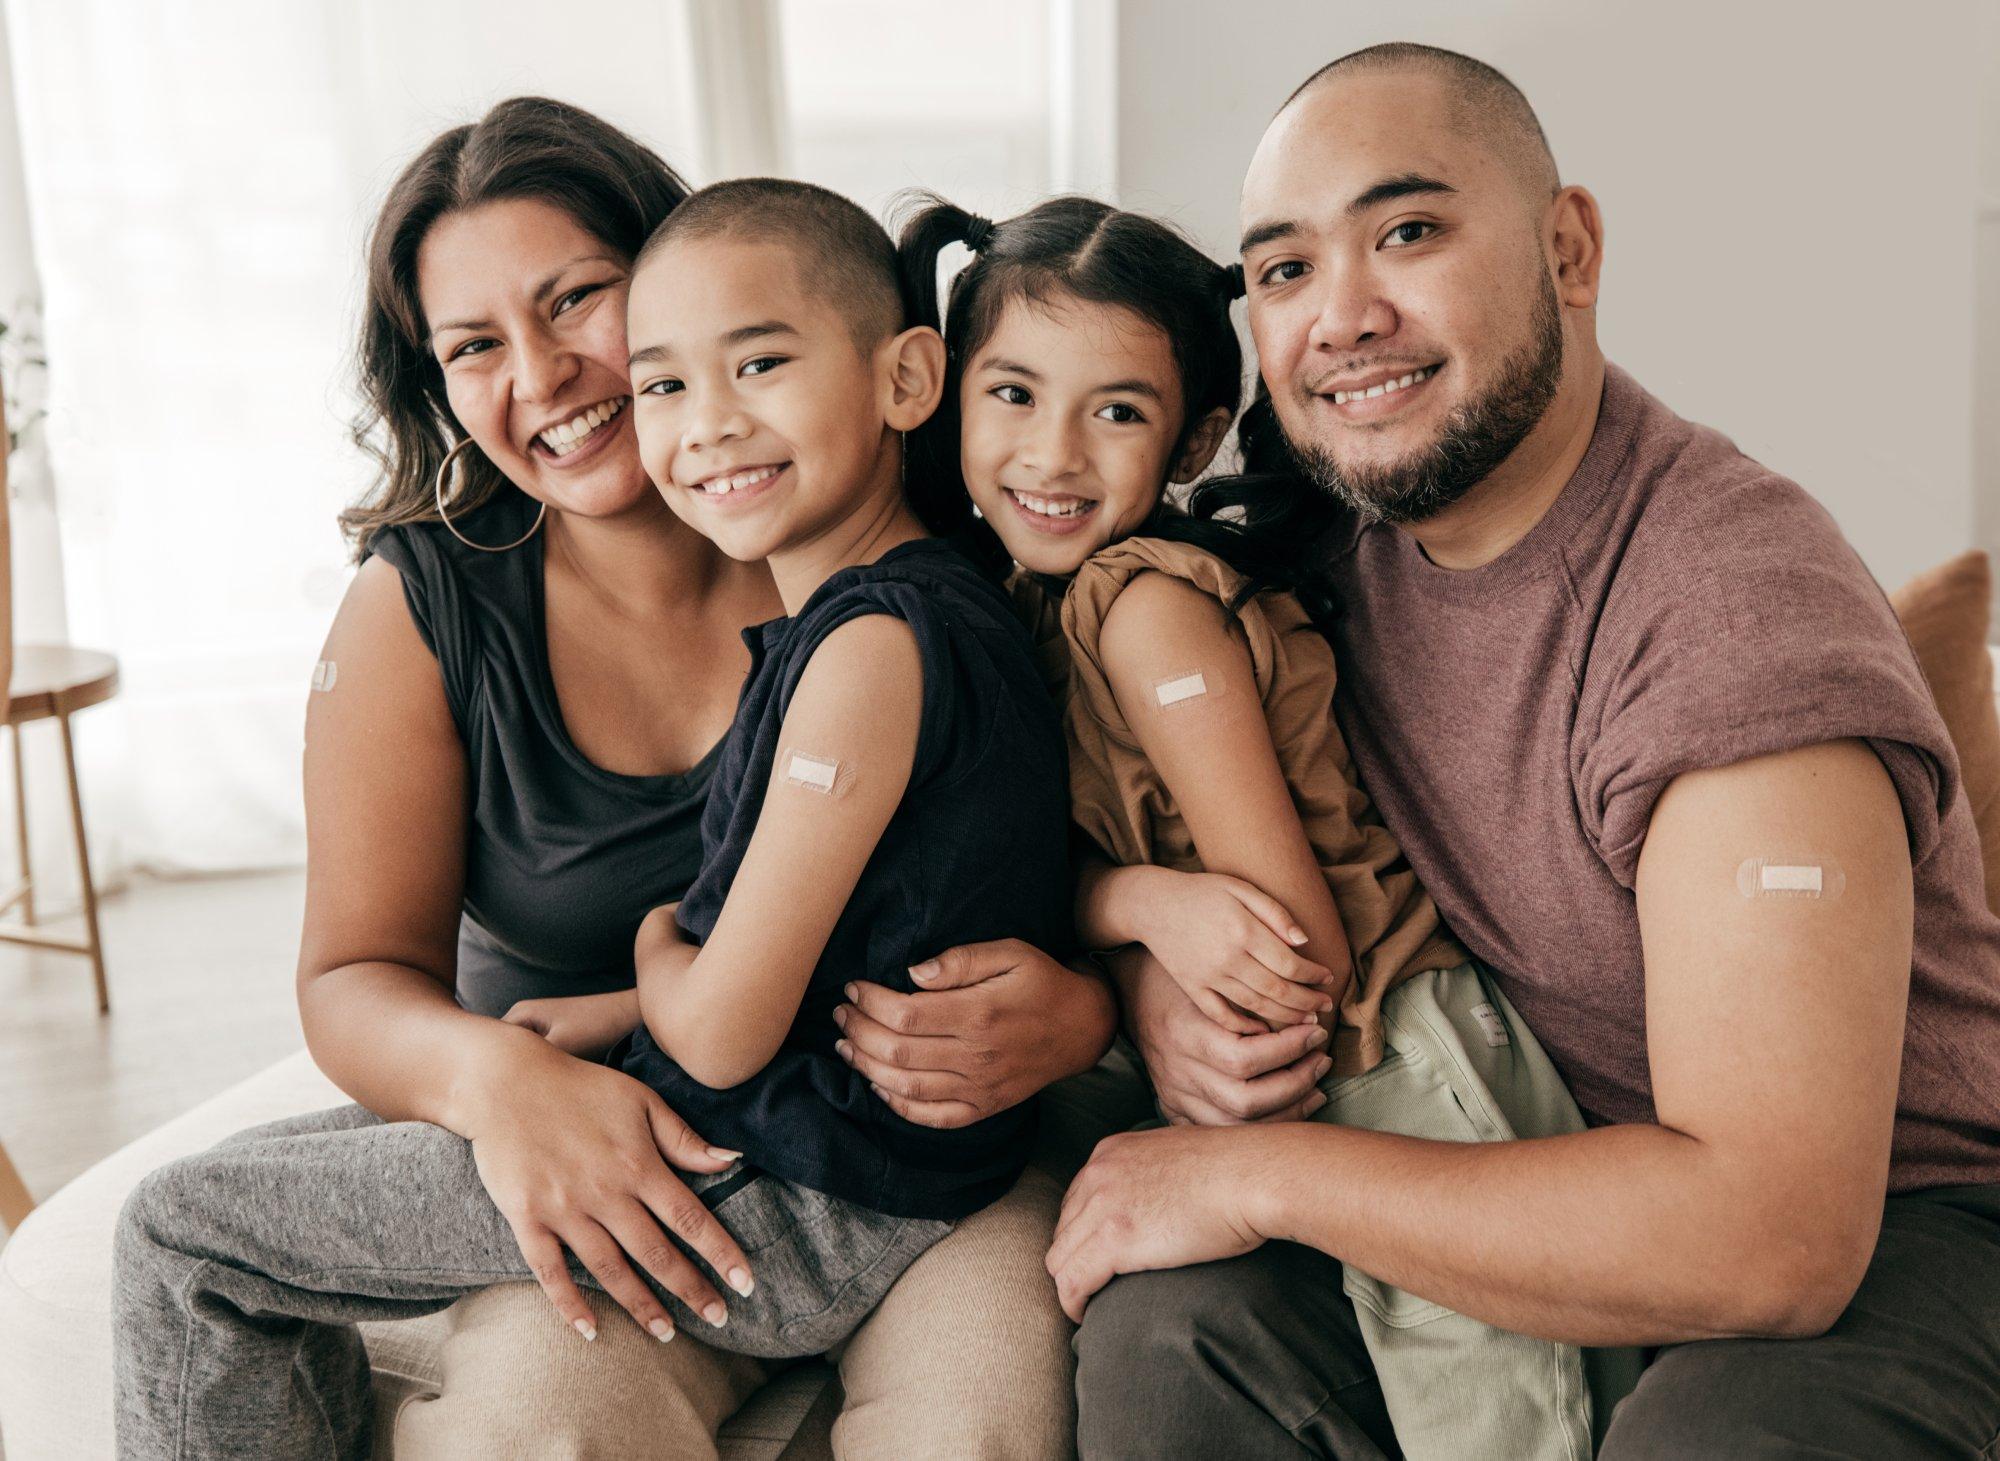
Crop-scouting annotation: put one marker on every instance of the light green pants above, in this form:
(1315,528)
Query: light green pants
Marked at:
(1461,1066)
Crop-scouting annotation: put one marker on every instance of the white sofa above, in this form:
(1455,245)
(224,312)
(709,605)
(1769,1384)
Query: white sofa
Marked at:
(55,1305)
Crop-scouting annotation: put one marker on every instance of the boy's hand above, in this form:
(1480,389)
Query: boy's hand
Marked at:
(585,1025)
(1232,950)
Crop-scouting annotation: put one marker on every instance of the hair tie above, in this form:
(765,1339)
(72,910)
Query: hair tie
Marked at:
(977,231)
(1232,282)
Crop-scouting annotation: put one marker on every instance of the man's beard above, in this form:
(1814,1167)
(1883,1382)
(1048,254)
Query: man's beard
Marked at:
(1477,437)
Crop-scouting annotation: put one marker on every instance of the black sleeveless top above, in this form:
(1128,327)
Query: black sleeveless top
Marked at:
(563,858)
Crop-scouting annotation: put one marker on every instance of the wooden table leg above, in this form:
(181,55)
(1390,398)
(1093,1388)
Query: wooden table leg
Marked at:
(83,868)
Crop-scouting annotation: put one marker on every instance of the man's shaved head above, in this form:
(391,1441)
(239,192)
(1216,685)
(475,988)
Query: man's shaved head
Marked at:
(1484,103)
(841,249)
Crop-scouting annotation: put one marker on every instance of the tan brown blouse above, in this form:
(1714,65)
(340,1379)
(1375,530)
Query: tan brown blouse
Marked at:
(1392,926)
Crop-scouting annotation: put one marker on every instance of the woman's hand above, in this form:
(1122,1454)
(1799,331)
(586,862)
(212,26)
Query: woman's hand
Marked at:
(990,1026)
(577,1156)
(1230,947)
(584,1025)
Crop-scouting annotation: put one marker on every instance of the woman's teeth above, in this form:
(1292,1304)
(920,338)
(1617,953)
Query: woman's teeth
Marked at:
(1341,398)
(571,434)
(736,482)
(1053,507)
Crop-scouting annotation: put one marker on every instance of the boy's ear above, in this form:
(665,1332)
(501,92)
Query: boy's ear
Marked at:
(1202,444)
(912,377)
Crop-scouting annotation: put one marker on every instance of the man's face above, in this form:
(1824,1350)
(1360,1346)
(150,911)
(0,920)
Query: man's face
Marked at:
(1405,320)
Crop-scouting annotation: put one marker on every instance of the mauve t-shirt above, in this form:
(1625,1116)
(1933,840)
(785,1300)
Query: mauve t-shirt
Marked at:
(1678,607)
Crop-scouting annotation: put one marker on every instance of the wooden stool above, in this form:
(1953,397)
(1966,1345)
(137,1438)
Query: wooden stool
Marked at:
(52,680)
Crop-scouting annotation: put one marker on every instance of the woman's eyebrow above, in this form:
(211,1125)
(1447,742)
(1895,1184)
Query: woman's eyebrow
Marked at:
(541,292)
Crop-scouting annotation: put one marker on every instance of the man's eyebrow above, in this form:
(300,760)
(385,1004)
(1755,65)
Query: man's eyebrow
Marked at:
(540,292)
(1405,185)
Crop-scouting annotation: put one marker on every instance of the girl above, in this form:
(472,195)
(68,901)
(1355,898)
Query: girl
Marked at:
(1092,363)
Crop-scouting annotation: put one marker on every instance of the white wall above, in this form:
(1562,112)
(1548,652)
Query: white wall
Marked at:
(1790,203)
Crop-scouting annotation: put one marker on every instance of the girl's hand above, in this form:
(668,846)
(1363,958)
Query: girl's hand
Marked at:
(583,1025)
(576,1156)
(990,1025)
(1232,950)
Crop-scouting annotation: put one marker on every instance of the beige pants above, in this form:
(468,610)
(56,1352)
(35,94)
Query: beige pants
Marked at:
(967,1357)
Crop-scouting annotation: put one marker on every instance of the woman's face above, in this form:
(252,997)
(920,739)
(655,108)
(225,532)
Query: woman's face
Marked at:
(526,313)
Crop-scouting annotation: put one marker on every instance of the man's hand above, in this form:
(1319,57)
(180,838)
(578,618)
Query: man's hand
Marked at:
(990,1026)
(1153,1199)
(1205,1074)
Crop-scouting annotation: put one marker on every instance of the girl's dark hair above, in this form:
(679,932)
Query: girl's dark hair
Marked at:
(616,188)
(1079,248)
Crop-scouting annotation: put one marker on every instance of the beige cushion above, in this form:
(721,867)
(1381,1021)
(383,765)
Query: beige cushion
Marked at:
(1947,612)
(55,1300)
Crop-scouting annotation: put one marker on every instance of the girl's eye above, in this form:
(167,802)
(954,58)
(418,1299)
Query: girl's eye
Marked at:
(762,365)
(1405,234)
(1013,395)
(1121,413)
(1283,272)
(665,387)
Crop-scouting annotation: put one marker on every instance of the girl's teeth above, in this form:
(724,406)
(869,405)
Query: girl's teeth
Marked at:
(1049,509)
(565,438)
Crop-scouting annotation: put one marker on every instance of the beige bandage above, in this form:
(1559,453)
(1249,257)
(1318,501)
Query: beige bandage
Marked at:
(822,774)
(1188,687)
(324,674)
(1790,878)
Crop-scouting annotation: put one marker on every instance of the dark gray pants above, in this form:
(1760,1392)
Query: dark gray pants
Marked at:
(1261,1357)
(240,1272)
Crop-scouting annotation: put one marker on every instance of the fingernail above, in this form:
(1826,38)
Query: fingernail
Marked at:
(925,972)
(587,1329)
(739,1279)
(840,1017)
(715,1314)
(1322,1066)
(844,1050)
(1297,936)
(1318,1100)
(1317,1038)
(661,1330)
(723,1154)
(853,992)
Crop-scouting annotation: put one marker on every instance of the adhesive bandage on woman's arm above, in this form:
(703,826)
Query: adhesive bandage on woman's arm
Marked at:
(1790,878)
(324,674)
(822,774)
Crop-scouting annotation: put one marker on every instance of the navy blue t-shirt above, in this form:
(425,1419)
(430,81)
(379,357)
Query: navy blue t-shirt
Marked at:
(976,850)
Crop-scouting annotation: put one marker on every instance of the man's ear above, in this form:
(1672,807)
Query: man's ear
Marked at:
(1202,444)
(912,376)
(1575,239)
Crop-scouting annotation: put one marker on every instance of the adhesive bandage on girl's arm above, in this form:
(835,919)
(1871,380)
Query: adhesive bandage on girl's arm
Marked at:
(1790,879)
(826,775)
(1186,688)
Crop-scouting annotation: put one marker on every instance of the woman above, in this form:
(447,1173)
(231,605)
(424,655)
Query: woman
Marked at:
(504,772)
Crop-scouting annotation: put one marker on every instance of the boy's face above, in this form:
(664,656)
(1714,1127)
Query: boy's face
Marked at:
(1069,415)
(758,416)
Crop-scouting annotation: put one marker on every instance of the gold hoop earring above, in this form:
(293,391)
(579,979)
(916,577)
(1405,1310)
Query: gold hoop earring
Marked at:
(444,471)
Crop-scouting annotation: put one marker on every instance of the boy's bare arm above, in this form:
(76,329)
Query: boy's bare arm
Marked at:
(723,1010)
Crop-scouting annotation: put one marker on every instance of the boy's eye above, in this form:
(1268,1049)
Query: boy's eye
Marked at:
(1405,234)
(1283,272)
(1013,395)
(1121,413)
(762,365)
(664,387)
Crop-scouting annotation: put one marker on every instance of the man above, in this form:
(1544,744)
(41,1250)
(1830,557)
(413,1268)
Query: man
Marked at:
(1654,742)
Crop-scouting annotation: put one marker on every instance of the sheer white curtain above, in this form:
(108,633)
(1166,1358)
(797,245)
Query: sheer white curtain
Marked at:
(198,179)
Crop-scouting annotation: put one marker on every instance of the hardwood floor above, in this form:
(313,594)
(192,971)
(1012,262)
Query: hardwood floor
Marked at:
(200,972)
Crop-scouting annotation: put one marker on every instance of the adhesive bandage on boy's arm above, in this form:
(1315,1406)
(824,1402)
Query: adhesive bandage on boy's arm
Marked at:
(847,747)
(1183,680)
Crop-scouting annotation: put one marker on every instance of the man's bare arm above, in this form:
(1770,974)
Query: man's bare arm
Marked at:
(1775,1033)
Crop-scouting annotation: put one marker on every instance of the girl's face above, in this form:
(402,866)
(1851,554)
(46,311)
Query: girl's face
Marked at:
(526,313)
(1069,414)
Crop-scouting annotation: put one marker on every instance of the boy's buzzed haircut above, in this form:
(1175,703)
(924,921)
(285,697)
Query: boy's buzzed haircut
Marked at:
(1487,103)
(843,253)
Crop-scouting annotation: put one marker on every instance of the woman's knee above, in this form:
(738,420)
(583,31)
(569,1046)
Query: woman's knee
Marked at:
(513,1380)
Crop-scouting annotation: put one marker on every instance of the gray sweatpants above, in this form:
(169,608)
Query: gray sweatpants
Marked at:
(240,1273)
